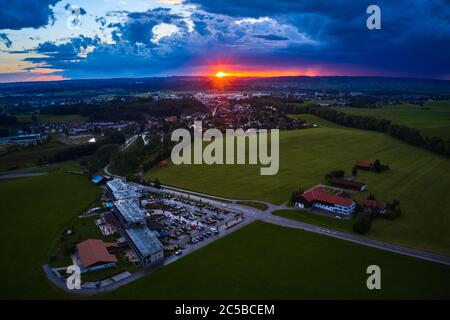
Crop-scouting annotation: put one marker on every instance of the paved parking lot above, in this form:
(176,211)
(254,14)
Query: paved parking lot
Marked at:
(186,223)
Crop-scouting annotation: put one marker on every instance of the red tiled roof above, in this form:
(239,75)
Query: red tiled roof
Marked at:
(318,194)
(365,164)
(93,250)
(163,163)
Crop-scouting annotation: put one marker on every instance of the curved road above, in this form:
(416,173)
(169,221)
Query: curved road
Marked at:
(252,214)
(267,216)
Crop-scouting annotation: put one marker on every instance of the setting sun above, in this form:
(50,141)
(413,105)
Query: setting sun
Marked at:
(262,73)
(221,74)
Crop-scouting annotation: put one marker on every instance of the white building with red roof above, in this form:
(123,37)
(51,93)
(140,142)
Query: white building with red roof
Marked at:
(319,198)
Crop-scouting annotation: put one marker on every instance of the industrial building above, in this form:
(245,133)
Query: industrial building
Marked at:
(146,245)
(22,139)
(129,213)
(132,218)
(118,189)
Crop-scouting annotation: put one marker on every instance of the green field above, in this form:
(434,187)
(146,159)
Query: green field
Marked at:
(34,211)
(263,261)
(29,156)
(418,179)
(434,121)
(327,221)
(258,261)
(48,118)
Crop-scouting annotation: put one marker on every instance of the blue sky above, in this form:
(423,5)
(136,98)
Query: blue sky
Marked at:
(77,39)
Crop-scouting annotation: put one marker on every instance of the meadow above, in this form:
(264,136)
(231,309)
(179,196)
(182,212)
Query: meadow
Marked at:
(257,261)
(263,261)
(30,156)
(417,178)
(432,120)
(34,213)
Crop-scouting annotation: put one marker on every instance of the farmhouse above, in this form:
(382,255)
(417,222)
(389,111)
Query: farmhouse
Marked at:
(348,184)
(146,245)
(364,165)
(93,252)
(319,198)
(377,206)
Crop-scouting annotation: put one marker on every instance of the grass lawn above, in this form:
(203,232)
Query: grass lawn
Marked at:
(263,261)
(418,179)
(34,213)
(431,122)
(29,156)
(258,261)
(83,228)
(257,205)
(316,219)
(49,118)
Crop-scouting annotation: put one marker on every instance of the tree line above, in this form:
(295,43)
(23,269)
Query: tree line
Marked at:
(410,135)
(84,150)
(135,109)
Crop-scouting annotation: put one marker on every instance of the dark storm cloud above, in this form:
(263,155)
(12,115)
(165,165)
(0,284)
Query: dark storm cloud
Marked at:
(19,14)
(327,34)
(414,39)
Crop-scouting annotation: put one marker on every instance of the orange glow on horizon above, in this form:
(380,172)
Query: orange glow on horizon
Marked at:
(263,73)
(221,74)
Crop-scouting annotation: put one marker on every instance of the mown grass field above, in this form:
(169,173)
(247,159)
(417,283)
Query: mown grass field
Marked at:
(321,220)
(48,118)
(433,120)
(418,179)
(34,211)
(258,261)
(263,261)
(29,156)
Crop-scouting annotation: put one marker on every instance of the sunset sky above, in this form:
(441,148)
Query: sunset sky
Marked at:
(140,38)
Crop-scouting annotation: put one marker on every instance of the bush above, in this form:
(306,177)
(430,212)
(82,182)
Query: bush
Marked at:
(335,174)
(363,223)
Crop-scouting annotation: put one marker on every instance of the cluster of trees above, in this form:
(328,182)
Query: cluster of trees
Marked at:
(4,132)
(364,218)
(378,167)
(363,222)
(100,158)
(409,135)
(147,165)
(393,210)
(127,162)
(6,120)
(132,110)
(295,194)
(84,150)
(139,157)
(334,174)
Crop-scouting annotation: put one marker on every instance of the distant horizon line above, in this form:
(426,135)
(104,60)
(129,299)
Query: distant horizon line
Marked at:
(228,77)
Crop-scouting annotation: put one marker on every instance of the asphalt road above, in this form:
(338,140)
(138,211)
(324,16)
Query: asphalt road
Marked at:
(267,216)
